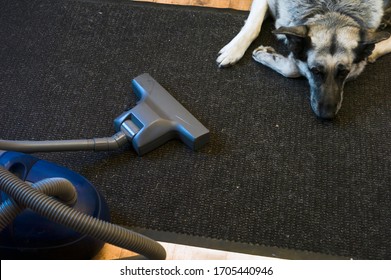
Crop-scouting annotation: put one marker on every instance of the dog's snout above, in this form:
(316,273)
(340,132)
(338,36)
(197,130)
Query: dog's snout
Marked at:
(326,100)
(325,110)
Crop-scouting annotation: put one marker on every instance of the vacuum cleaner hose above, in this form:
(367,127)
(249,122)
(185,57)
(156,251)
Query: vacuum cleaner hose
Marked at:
(58,212)
(58,187)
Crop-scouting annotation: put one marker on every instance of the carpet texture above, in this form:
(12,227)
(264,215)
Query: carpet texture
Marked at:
(272,174)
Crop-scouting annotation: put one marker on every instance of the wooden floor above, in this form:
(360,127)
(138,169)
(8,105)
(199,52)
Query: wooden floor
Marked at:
(175,251)
(178,252)
(231,4)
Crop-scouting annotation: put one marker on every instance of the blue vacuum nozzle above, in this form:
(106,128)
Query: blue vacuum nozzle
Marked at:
(157,118)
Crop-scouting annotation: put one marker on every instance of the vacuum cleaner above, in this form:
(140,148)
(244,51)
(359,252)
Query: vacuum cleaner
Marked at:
(50,212)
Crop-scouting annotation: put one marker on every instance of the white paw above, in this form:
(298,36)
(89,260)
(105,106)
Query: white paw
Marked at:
(279,63)
(264,55)
(231,54)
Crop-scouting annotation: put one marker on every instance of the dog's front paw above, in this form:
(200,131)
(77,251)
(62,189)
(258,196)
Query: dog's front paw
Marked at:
(264,55)
(283,65)
(230,54)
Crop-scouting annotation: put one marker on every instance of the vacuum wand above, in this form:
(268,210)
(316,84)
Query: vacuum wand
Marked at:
(156,119)
(95,144)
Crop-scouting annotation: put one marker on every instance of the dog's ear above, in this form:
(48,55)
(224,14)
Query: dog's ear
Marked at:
(371,37)
(298,40)
(367,44)
(300,31)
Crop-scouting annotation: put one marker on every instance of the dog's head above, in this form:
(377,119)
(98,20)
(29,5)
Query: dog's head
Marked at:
(329,53)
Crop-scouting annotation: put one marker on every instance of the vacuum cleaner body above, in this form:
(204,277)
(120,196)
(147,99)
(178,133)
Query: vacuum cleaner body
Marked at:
(31,236)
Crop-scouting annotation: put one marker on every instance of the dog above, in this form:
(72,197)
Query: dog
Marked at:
(329,41)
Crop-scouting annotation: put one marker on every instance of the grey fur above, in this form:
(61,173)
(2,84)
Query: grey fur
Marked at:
(297,12)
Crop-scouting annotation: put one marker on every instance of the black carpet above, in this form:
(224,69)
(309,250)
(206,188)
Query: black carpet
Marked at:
(272,174)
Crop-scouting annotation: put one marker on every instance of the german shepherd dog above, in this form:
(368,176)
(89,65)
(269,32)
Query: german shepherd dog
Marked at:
(329,42)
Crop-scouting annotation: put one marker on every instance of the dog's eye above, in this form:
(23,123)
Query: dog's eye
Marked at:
(317,71)
(342,71)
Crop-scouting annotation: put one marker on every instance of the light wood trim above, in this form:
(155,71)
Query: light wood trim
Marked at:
(179,252)
(231,4)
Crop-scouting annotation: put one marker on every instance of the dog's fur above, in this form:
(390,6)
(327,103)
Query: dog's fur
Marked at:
(330,42)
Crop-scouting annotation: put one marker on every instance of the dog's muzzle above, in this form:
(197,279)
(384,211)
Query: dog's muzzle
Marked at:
(326,104)
(325,110)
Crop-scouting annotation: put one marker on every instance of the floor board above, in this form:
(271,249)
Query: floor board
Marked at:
(231,4)
(178,252)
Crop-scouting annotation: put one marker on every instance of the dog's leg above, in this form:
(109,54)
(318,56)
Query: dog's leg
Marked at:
(235,49)
(381,48)
(286,66)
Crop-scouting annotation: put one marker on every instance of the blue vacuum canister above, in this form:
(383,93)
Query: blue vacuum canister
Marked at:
(30,235)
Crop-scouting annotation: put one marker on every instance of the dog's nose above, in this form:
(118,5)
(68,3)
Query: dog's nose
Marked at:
(325,110)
